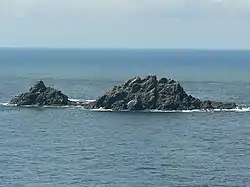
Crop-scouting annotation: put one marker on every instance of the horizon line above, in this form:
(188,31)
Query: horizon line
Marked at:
(122,48)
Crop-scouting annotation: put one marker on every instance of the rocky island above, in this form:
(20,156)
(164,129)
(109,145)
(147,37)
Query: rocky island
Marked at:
(149,93)
(136,94)
(41,95)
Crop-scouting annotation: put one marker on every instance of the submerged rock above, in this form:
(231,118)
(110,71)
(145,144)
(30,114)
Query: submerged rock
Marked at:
(150,93)
(41,95)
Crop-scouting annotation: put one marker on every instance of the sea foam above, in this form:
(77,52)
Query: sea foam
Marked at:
(238,109)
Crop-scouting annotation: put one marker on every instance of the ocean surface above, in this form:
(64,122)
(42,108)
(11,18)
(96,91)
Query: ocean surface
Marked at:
(73,147)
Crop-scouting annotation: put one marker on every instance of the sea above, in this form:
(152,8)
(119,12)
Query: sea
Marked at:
(75,147)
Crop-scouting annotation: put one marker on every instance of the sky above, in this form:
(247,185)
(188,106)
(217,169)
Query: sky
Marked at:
(192,24)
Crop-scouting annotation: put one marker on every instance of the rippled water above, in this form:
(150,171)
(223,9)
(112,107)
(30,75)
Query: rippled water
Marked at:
(74,147)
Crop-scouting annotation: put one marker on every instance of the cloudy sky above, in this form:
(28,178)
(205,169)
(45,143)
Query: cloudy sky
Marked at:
(209,24)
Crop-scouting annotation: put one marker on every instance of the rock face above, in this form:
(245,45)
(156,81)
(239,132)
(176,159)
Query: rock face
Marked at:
(41,95)
(150,93)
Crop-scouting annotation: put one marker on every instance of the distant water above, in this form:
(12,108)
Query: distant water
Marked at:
(74,147)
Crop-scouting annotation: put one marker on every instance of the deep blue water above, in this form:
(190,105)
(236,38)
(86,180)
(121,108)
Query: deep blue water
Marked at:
(121,64)
(75,147)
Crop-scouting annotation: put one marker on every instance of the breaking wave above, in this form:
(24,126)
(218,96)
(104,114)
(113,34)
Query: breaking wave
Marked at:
(6,104)
(238,109)
(82,100)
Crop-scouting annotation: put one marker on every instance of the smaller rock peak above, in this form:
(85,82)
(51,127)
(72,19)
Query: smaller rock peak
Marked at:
(40,95)
(40,82)
(172,81)
(154,77)
(136,80)
(167,81)
(132,81)
(38,87)
(163,81)
(150,77)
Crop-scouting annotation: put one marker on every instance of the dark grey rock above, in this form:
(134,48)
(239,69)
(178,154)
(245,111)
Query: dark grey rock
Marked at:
(217,105)
(135,104)
(41,95)
(163,81)
(151,93)
(39,87)
(134,95)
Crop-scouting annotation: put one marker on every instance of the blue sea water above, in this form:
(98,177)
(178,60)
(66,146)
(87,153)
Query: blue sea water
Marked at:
(74,147)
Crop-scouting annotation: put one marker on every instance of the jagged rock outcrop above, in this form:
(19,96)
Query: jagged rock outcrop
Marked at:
(134,95)
(150,93)
(41,95)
